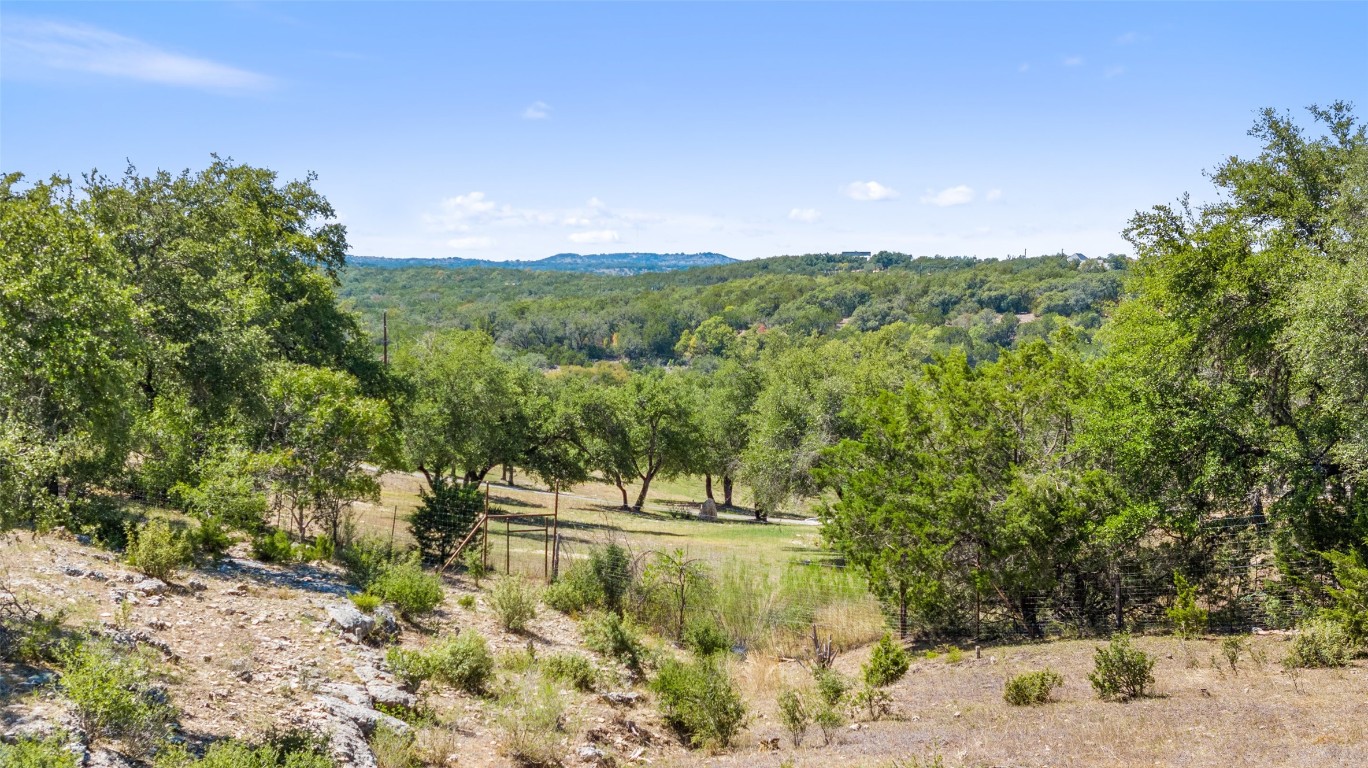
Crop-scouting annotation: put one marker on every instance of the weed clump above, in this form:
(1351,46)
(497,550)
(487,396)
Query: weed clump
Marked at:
(699,700)
(114,695)
(1189,621)
(793,713)
(51,752)
(612,636)
(514,601)
(462,662)
(408,588)
(273,547)
(571,668)
(704,637)
(1032,688)
(365,601)
(532,723)
(1320,642)
(1121,671)
(158,550)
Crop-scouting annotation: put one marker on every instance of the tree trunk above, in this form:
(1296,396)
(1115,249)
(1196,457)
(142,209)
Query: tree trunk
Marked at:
(623,489)
(641,497)
(727,484)
(707,486)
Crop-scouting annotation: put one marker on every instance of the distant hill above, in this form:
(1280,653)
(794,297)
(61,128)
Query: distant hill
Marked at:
(598,263)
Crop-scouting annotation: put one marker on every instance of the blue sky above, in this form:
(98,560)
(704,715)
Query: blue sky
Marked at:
(522,130)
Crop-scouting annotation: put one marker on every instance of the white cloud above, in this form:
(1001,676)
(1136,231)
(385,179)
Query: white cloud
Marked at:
(1073,61)
(1024,67)
(597,236)
(537,110)
(993,194)
(470,243)
(945,198)
(1114,72)
(807,215)
(51,45)
(868,190)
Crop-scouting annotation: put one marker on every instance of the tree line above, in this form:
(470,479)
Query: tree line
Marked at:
(184,337)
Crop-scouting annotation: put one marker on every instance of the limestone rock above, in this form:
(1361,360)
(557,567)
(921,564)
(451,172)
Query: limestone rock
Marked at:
(355,625)
(707,510)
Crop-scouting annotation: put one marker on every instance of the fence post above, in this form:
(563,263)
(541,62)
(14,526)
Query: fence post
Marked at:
(394,519)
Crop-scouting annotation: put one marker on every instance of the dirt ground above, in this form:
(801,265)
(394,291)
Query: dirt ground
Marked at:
(244,644)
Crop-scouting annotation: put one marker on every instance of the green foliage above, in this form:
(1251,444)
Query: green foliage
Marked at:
(699,699)
(236,754)
(793,714)
(1189,621)
(27,635)
(210,539)
(705,637)
(394,749)
(532,722)
(572,668)
(514,601)
(576,591)
(114,695)
(876,701)
(51,752)
(1231,648)
(673,587)
(1351,596)
(1032,688)
(365,601)
(446,512)
(612,568)
(474,562)
(273,547)
(462,662)
(411,590)
(887,664)
(466,601)
(159,550)
(614,637)
(828,705)
(411,668)
(1319,642)
(366,559)
(1121,671)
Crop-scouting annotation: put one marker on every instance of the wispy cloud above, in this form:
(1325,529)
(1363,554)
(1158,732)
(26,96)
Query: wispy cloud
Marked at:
(960,195)
(993,194)
(1024,66)
(470,243)
(806,215)
(33,44)
(1073,61)
(596,236)
(537,110)
(1114,72)
(868,190)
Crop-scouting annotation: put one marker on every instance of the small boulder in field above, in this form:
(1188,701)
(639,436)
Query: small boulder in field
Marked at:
(355,625)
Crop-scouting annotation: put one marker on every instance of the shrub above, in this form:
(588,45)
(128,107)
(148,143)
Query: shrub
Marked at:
(1231,648)
(51,752)
(322,550)
(700,701)
(874,700)
(462,662)
(158,550)
(273,547)
(365,601)
(236,754)
(473,560)
(518,660)
(409,588)
(1032,688)
(514,601)
(366,560)
(793,713)
(612,567)
(113,695)
(571,668)
(210,539)
(1189,621)
(1351,598)
(887,663)
(26,634)
(532,722)
(576,591)
(444,517)
(612,636)
(831,686)
(393,749)
(466,601)
(412,668)
(704,637)
(1319,642)
(1121,671)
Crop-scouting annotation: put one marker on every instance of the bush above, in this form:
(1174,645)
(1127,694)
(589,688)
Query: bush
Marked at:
(612,636)
(704,637)
(514,601)
(532,723)
(466,601)
(576,591)
(236,754)
(322,550)
(1121,671)
(365,601)
(409,588)
(113,695)
(828,707)
(571,668)
(210,539)
(366,560)
(793,713)
(158,550)
(612,567)
(1319,642)
(51,752)
(473,560)
(1189,621)
(873,699)
(26,634)
(444,517)
(1032,688)
(887,663)
(462,662)
(273,547)
(394,749)
(412,668)
(699,700)
(1351,597)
